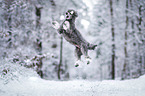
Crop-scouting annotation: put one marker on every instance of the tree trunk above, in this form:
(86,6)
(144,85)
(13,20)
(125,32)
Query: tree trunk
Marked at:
(38,42)
(125,71)
(140,44)
(60,60)
(53,9)
(8,18)
(134,42)
(113,41)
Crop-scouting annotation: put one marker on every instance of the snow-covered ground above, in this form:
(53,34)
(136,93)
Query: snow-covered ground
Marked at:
(35,86)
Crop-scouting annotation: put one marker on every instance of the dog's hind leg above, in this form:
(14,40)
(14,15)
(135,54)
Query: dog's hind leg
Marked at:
(84,51)
(78,54)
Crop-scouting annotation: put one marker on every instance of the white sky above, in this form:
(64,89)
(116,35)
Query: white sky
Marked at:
(89,4)
(85,23)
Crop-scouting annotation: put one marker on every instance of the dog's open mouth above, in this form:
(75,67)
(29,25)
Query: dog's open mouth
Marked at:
(67,17)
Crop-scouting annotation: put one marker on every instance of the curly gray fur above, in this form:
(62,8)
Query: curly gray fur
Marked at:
(73,36)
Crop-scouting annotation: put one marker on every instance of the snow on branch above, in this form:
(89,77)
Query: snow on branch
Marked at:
(137,38)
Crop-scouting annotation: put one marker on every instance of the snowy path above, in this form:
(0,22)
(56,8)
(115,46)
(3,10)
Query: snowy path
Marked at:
(35,86)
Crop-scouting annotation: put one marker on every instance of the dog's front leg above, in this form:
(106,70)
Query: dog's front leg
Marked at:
(55,25)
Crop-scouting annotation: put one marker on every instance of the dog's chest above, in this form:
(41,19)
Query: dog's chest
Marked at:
(69,31)
(66,25)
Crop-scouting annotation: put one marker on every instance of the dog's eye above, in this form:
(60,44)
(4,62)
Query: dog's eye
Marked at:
(66,13)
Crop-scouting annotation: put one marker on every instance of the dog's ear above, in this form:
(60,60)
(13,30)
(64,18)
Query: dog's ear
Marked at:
(76,14)
(73,12)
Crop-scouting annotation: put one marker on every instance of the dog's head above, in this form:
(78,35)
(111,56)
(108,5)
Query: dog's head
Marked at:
(71,14)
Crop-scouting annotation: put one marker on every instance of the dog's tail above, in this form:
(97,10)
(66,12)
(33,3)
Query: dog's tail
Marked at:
(91,46)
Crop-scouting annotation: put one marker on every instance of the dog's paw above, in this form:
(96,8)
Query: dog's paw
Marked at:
(66,25)
(89,60)
(55,25)
(77,63)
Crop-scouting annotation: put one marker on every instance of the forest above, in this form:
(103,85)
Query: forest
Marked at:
(29,44)
(35,60)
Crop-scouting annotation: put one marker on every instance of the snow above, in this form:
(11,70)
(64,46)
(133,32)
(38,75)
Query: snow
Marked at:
(35,86)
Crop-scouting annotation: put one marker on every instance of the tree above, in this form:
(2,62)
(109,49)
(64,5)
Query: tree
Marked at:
(126,66)
(8,19)
(60,59)
(113,41)
(139,26)
(38,41)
